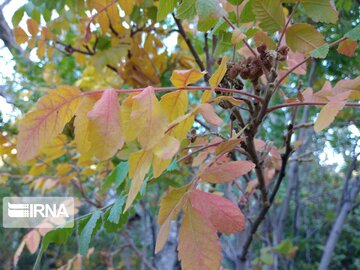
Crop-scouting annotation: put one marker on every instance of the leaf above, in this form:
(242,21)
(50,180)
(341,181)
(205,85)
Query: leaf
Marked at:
(247,15)
(320,52)
(226,172)
(348,85)
(20,35)
(170,207)
(209,11)
(223,214)
(230,99)
(320,10)
(207,111)
(40,126)
(199,247)
(165,7)
(227,146)
(81,124)
(182,78)
(18,252)
(117,176)
(58,236)
(270,14)
(32,240)
(174,104)
(354,33)
(32,26)
(139,165)
(219,73)
(89,230)
(186,10)
(149,118)
(235,2)
(18,15)
(330,110)
(167,147)
(159,166)
(303,38)
(347,47)
(116,210)
(105,134)
(261,38)
(130,130)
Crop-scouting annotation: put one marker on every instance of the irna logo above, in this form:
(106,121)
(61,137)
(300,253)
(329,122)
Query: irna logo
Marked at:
(34,210)
(38,212)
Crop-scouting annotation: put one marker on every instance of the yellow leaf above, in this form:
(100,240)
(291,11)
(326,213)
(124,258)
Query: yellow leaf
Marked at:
(199,246)
(149,118)
(38,169)
(174,104)
(41,49)
(82,123)
(40,126)
(130,131)
(182,78)
(32,26)
(304,38)
(219,73)
(167,147)
(170,207)
(127,6)
(181,126)
(20,35)
(105,134)
(159,165)
(206,96)
(139,165)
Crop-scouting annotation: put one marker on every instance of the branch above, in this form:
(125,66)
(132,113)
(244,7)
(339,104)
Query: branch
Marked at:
(137,251)
(266,207)
(190,45)
(274,108)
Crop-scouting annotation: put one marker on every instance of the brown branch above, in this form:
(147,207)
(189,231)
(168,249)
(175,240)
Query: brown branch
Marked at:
(191,46)
(266,207)
(137,251)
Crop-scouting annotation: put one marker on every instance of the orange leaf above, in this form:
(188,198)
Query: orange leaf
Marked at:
(32,26)
(207,111)
(40,126)
(330,110)
(222,213)
(182,78)
(347,47)
(348,85)
(226,172)
(105,133)
(199,247)
(170,207)
(20,35)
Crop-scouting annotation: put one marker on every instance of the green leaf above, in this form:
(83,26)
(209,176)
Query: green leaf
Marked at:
(354,34)
(209,12)
(266,257)
(116,210)
(18,15)
(303,38)
(320,52)
(89,230)
(165,7)
(186,10)
(223,43)
(247,15)
(320,10)
(270,14)
(284,247)
(58,236)
(117,176)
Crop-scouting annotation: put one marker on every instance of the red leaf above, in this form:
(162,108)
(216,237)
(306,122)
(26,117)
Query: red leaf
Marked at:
(222,213)
(227,172)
